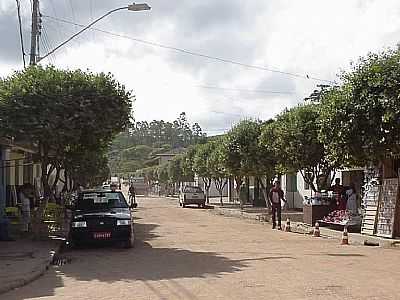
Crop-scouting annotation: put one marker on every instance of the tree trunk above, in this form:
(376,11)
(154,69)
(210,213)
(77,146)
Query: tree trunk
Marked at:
(207,184)
(309,180)
(265,191)
(220,184)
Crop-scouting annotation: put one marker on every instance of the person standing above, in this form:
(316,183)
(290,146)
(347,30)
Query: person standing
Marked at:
(132,194)
(25,208)
(276,195)
(352,199)
(338,191)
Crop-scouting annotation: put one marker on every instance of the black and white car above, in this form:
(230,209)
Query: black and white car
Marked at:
(102,216)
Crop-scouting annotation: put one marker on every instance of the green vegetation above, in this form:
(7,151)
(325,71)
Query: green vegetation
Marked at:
(67,114)
(353,124)
(136,148)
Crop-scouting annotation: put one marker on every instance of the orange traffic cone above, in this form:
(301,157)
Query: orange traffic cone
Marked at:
(287,225)
(316,232)
(345,236)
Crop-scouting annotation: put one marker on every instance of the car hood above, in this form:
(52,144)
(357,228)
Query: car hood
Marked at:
(118,213)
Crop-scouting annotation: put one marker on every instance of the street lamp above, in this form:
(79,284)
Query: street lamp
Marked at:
(131,7)
(138,7)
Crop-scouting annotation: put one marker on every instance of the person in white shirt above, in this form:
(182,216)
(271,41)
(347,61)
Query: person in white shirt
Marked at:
(25,209)
(352,199)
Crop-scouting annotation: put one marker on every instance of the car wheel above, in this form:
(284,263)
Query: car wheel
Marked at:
(183,205)
(130,243)
(199,205)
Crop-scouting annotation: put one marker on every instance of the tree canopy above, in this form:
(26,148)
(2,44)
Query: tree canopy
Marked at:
(137,147)
(63,111)
(360,120)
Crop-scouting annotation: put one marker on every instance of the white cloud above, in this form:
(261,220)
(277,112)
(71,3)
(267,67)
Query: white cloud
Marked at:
(316,38)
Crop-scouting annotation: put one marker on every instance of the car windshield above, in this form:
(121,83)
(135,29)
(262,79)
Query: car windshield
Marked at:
(192,189)
(100,201)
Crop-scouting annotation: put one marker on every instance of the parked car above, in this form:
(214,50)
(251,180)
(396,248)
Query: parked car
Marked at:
(192,195)
(101,216)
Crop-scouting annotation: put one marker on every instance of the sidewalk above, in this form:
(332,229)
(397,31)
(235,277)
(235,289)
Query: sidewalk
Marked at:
(250,212)
(24,260)
(297,226)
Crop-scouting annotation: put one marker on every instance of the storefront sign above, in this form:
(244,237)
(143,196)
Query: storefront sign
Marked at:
(387,208)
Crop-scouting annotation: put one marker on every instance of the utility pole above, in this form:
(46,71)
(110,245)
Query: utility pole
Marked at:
(35,31)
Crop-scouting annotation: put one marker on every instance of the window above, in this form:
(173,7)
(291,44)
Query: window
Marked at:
(92,201)
(192,189)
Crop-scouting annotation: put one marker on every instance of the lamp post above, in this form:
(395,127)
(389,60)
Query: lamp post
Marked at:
(131,7)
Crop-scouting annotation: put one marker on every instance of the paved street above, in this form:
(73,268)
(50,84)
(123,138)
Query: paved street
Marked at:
(192,254)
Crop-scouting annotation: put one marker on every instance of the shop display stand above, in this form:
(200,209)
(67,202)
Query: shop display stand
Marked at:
(386,216)
(371,202)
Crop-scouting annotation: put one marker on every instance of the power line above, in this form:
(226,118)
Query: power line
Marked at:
(225,113)
(243,90)
(47,46)
(55,13)
(72,10)
(188,52)
(20,32)
(217,88)
(91,15)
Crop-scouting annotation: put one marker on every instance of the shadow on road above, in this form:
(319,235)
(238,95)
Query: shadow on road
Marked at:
(144,262)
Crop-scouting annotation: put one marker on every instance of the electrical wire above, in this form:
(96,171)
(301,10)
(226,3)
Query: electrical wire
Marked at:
(217,88)
(91,15)
(72,10)
(47,47)
(20,33)
(243,90)
(188,52)
(225,113)
(55,14)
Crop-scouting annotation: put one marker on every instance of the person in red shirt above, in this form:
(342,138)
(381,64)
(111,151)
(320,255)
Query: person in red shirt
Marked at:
(275,196)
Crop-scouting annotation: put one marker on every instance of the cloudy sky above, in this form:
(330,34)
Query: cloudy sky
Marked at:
(314,38)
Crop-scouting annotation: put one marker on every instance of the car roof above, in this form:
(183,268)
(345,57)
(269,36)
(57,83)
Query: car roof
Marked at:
(100,191)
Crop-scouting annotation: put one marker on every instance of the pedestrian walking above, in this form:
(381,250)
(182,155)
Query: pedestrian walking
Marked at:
(276,195)
(132,194)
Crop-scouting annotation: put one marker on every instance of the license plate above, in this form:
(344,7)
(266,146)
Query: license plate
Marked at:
(102,235)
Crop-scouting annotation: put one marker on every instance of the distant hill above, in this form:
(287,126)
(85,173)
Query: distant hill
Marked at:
(137,148)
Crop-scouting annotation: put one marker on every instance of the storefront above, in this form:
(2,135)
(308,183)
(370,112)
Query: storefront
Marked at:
(381,200)
(339,206)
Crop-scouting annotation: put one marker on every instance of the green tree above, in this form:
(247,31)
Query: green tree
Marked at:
(242,152)
(360,120)
(202,165)
(217,168)
(162,173)
(267,157)
(298,148)
(188,163)
(60,109)
(175,171)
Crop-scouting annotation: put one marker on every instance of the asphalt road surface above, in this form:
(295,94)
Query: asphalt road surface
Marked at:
(192,254)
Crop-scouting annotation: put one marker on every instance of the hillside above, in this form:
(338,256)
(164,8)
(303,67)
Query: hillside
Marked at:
(137,148)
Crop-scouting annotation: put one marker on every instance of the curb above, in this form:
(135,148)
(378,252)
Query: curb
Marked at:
(38,272)
(302,228)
